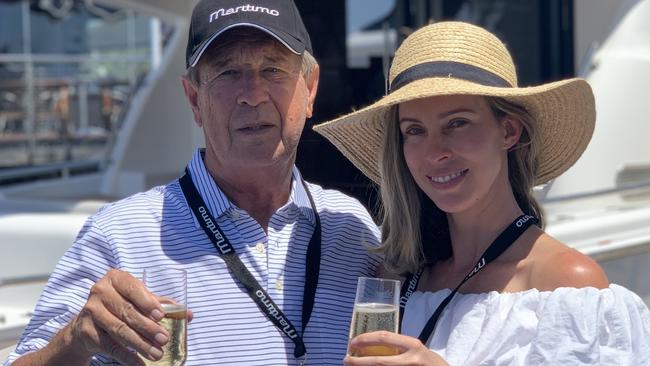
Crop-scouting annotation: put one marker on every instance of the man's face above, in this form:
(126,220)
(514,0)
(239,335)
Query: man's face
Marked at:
(252,101)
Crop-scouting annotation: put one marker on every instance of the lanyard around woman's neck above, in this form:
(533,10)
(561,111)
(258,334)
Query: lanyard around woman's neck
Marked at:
(498,246)
(240,272)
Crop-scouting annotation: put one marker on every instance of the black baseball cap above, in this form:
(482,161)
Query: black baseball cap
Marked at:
(279,18)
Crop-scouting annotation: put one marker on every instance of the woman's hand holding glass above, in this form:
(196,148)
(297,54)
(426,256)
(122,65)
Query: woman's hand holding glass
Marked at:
(410,351)
(374,337)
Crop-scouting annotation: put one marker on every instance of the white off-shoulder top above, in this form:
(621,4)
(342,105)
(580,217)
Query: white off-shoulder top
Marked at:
(567,326)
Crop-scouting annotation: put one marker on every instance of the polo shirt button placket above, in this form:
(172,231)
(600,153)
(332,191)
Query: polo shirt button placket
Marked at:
(260,248)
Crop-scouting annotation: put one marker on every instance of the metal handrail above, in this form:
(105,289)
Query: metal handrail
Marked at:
(63,58)
(24,280)
(641,248)
(63,168)
(600,192)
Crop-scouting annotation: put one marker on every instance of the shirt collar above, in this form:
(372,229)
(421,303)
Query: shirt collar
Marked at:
(217,201)
(299,197)
(219,204)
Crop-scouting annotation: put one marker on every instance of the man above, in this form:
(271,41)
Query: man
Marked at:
(251,84)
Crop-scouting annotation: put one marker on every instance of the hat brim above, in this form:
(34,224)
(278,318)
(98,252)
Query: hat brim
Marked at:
(288,41)
(564,112)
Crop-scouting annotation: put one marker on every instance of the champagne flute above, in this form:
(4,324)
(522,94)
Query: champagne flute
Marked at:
(170,286)
(376,307)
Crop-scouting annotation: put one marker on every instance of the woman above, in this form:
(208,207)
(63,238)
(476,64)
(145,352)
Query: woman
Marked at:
(457,147)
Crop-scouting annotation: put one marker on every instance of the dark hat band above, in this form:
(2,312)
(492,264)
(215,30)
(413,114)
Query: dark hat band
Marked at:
(449,69)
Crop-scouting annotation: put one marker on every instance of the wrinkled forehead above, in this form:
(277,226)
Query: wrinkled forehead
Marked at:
(246,42)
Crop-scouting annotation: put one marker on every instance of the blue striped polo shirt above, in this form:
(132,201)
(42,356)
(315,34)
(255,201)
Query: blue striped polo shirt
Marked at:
(157,228)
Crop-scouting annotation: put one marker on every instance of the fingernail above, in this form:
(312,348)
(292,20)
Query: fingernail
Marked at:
(155,353)
(161,338)
(157,314)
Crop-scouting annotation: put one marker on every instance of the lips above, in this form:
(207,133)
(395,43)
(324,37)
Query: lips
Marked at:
(256,127)
(448,178)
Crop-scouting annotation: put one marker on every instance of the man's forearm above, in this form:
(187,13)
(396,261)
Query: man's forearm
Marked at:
(60,351)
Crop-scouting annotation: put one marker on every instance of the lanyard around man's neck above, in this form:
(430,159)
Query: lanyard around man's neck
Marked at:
(243,275)
(498,246)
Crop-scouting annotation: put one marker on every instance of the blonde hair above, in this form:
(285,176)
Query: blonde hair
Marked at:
(415,231)
(523,161)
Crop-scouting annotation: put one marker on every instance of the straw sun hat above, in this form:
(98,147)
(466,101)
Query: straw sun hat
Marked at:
(458,58)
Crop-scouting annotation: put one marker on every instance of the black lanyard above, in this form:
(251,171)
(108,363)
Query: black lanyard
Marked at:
(241,273)
(498,246)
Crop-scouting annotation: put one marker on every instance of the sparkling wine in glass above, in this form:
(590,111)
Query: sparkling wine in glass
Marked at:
(170,285)
(376,307)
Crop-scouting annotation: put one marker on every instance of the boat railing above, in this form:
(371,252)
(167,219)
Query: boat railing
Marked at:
(24,280)
(55,170)
(627,188)
(612,239)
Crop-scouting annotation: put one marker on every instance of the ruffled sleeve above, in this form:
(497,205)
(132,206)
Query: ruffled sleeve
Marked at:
(592,327)
(567,326)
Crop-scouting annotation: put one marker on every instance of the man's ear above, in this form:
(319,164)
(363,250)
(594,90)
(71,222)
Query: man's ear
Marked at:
(512,128)
(192,95)
(312,87)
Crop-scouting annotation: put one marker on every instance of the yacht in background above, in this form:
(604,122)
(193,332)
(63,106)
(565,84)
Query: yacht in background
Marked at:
(40,218)
(601,206)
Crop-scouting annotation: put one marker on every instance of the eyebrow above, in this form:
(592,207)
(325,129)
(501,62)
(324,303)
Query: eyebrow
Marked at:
(455,111)
(275,58)
(408,119)
(220,62)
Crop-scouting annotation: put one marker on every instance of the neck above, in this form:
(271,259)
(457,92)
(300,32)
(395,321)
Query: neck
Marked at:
(473,231)
(260,191)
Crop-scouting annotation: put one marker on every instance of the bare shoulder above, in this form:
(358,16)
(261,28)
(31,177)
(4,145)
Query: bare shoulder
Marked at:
(557,265)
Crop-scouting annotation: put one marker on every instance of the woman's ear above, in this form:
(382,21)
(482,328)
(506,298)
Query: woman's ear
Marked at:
(512,131)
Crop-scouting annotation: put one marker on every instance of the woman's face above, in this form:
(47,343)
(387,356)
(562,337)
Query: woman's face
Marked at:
(457,150)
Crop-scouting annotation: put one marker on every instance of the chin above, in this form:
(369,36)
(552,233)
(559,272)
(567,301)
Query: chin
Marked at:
(451,204)
(450,208)
(270,157)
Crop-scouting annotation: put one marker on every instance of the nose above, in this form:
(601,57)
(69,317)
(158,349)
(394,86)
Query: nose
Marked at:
(437,149)
(254,90)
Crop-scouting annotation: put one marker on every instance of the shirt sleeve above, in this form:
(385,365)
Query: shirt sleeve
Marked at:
(597,327)
(66,291)
(566,326)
